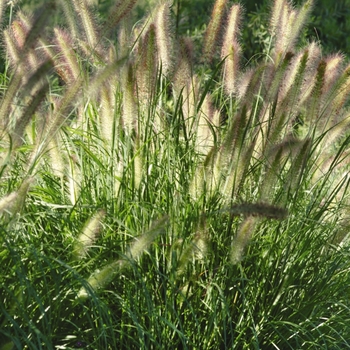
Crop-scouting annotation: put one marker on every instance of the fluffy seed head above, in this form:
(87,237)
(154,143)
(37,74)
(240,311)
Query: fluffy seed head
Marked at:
(242,239)
(164,37)
(214,29)
(88,235)
(231,50)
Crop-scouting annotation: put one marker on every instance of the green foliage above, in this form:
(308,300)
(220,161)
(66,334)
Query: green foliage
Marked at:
(146,205)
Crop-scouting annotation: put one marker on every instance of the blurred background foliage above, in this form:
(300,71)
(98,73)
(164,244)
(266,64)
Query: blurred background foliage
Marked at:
(328,23)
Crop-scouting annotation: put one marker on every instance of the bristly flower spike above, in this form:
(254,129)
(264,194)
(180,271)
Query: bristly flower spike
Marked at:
(12,204)
(101,277)
(88,235)
(286,24)
(313,59)
(88,22)
(68,9)
(297,22)
(107,115)
(121,9)
(183,74)
(146,72)
(66,63)
(343,90)
(164,37)
(242,239)
(214,28)
(231,49)
(130,108)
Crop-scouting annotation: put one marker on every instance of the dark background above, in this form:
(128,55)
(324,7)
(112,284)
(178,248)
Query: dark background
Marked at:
(328,23)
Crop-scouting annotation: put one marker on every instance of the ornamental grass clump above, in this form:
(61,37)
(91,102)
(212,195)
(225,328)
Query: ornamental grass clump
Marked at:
(156,195)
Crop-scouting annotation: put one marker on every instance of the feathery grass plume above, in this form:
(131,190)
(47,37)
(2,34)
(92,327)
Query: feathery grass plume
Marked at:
(130,108)
(21,40)
(31,107)
(70,16)
(88,235)
(35,80)
(100,278)
(14,38)
(286,24)
(313,105)
(190,97)
(12,203)
(183,66)
(23,56)
(108,122)
(244,84)
(30,97)
(55,119)
(274,76)
(117,12)
(296,21)
(242,239)
(253,212)
(36,31)
(66,63)
(74,179)
(163,24)
(22,98)
(255,209)
(57,158)
(20,28)
(333,70)
(138,164)
(144,241)
(250,87)
(282,30)
(313,61)
(88,23)
(293,79)
(147,66)
(343,90)
(206,177)
(214,29)
(112,54)
(231,49)
(184,95)
(276,14)
(125,41)
(118,169)
(7,101)
(197,249)
(335,131)
(332,73)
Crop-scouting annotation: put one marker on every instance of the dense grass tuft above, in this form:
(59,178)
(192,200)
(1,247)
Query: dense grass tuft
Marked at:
(151,198)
